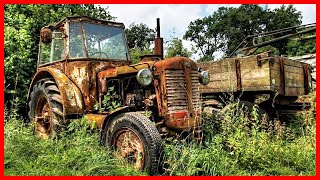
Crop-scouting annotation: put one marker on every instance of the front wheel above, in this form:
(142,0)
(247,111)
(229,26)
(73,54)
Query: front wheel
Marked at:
(136,139)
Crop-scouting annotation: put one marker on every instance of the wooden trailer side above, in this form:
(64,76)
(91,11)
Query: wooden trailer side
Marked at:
(258,73)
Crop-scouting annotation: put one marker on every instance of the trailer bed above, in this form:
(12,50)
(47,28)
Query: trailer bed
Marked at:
(258,73)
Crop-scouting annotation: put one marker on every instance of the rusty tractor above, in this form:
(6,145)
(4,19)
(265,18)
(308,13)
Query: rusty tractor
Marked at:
(82,59)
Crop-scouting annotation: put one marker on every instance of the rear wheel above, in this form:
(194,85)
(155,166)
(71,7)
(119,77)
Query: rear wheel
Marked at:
(45,108)
(136,139)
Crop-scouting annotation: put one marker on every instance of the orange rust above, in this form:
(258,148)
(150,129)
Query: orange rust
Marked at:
(182,120)
(72,99)
(130,145)
(108,73)
(174,63)
(96,118)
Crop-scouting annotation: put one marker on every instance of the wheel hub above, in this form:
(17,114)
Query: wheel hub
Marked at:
(130,147)
(43,118)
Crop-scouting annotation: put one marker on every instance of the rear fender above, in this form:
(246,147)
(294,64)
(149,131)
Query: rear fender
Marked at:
(72,98)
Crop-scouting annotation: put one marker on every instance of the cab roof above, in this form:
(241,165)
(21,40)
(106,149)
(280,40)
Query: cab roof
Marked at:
(87,19)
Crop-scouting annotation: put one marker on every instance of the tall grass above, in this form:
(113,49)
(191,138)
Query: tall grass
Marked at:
(233,145)
(72,153)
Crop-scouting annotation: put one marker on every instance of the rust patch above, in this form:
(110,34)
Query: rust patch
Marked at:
(72,99)
(130,147)
(96,118)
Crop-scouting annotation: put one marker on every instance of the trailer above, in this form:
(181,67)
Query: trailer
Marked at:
(274,83)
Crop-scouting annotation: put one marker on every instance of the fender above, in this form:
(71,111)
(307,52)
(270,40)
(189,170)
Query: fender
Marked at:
(108,119)
(72,99)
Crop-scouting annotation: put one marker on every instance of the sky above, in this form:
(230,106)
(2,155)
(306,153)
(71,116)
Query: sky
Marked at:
(175,18)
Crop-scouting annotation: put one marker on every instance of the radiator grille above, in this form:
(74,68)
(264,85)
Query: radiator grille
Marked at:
(176,90)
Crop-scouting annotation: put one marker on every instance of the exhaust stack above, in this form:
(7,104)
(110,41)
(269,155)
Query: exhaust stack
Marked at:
(158,41)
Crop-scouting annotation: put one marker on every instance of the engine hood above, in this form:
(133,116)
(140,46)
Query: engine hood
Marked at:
(156,66)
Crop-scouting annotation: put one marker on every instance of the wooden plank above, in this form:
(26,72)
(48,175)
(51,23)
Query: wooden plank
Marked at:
(223,66)
(289,75)
(222,84)
(290,62)
(294,83)
(223,76)
(294,91)
(255,73)
(257,88)
(293,69)
(255,82)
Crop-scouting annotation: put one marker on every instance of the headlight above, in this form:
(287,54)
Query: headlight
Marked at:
(144,77)
(204,77)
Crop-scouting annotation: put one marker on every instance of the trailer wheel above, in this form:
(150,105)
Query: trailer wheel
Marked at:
(136,139)
(45,108)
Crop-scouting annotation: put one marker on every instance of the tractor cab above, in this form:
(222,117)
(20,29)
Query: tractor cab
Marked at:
(83,38)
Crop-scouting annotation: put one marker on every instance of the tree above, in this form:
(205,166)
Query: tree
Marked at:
(207,34)
(225,29)
(175,48)
(139,36)
(282,17)
(22,29)
(136,53)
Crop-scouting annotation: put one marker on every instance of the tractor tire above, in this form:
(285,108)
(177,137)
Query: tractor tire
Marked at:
(136,139)
(45,108)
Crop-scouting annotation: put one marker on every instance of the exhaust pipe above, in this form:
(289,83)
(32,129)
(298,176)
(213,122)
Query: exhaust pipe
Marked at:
(158,41)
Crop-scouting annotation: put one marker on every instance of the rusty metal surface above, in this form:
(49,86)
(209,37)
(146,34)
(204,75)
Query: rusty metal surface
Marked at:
(89,19)
(43,118)
(130,147)
(177,92)
(96,118)
(84,73)
(158,42)
(72,99)
(282,76)
(238,73)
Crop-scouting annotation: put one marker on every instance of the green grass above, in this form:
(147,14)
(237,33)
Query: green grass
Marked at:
(230,148)
(76,153)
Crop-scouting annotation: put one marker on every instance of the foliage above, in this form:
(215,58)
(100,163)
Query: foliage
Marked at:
(225,29)
(175,48)
(110,100)
(139,36)
(22,29)
(75,152)
(298,48)
(231,148)
(136,53)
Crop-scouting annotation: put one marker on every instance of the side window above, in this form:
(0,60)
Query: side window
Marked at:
(57,46)
(76,45)
(54,50)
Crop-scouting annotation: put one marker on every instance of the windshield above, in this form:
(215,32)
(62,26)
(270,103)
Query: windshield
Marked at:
(102,41)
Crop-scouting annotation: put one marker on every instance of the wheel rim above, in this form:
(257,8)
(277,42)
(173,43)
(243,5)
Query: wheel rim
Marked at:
(130,147)
(43,118)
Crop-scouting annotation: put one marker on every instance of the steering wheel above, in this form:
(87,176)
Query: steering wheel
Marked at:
(98,52)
